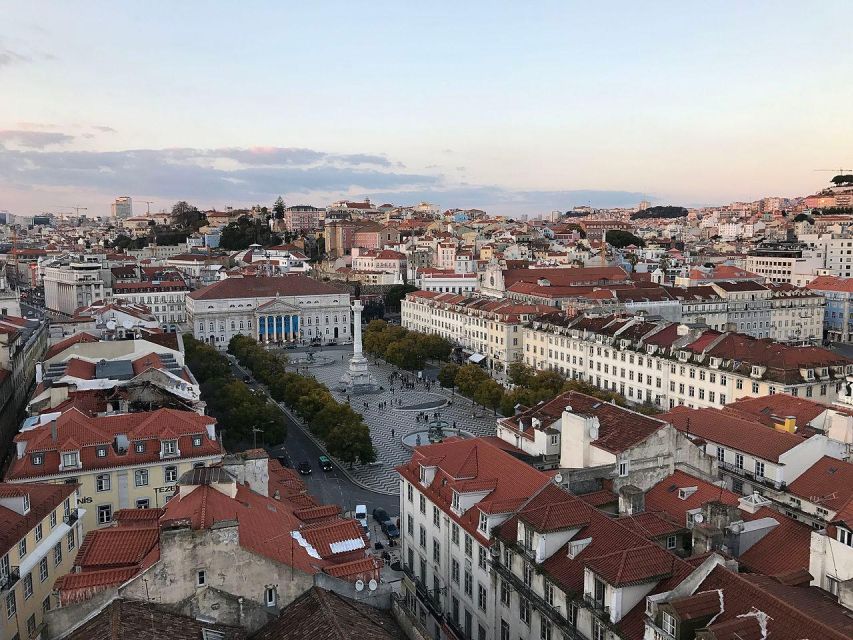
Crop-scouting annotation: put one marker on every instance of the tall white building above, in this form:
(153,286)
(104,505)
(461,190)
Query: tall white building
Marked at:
(122,207)
(72,282)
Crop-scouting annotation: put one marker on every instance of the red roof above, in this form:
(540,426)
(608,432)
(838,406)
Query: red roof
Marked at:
(44,498)
(61,346)
(828,483)
(260,287)
(116,547)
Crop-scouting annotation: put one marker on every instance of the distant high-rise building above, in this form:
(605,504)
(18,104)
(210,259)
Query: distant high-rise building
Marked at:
(122,207)
(644,204)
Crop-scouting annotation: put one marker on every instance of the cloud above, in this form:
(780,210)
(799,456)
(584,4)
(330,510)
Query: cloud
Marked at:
(34,139)
(104,128)
(259,174)
(9,57)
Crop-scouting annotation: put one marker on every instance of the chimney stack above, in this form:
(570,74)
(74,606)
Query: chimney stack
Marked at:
(53,433)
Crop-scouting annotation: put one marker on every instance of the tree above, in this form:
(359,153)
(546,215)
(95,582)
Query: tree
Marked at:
(520,374)
(468,378)
(489,394)
(187,216)
(667,211)
(278,208)
(447,375)
(621,239)
(245,231)
(395,294)
(350,442)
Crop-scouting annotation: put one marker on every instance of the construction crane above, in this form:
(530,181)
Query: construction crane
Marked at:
(837,172)
(77,210)
(148,204)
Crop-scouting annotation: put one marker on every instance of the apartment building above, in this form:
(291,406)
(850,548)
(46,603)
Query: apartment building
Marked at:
(23,342)
(443,281)
(302,218)
(283,308)
(671,364)
(119,461)
(489,330)
(166,299)
(784,265)
(40,532)
(838,293)
(74,281)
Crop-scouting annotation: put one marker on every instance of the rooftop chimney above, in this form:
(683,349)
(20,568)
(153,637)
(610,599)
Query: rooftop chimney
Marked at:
(53,433)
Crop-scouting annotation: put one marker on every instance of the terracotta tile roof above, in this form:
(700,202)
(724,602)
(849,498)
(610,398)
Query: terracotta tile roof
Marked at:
(698,605)
(260,287)
(94,580)
(652,524)
(664,496)
(469,459)
(44,498)
(619,428)
(565,276)
(772,410)
(793,613)
(733,432)
(556,517)
(828,482)
(123,619)
(599,498)
(116,547)
(315,514)
(61,346)
(333,538)
(324,614)
(362,569)
(636,565)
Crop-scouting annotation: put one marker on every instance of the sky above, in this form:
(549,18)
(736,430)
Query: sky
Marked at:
(512,107)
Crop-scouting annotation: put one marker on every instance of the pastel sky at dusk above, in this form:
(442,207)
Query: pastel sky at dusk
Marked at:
(515,107)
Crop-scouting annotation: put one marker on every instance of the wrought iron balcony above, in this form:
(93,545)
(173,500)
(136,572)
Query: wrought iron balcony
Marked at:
(427,596)
(752,476)
(71,518)
(8,581)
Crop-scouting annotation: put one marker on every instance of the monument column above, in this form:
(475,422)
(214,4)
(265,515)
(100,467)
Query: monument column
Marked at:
(356,328)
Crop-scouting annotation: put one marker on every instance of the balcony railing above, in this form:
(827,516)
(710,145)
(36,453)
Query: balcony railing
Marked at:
(752,476)
(657,632)
(9,580)
(71,518)
(429,598)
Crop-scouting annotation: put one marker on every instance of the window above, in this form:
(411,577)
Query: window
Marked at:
(845,536)
(739,460)
(544,628)
(140,447)
(484,523)
(454,502)
(141,477)
(599,631)
(28,586)
(102,452)
(196,441)
(170,447)
(454,534)
(200,578)
(623,469)
(69,540)
(759,468)
(422,535)
(52,519)
(454,570)
(505,593)
(549,591)
(22,548)
(38,532)
(481,596)
(69,459)
(504,630)
(11,604)
(468,543)
(410,524)
(668,623)
(409,492)
(436,551)
(524,610)
(45,605)
(105,513)
(143,503)
(469,584)
(57,554)
(598,591)
(436,518)
(43,572)
(171,474)
(671,542)
(102,482)
(721,454)
(423,504)
(270,596)
(38,458)
(527,572)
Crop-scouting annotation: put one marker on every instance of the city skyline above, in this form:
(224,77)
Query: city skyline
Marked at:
(475,106)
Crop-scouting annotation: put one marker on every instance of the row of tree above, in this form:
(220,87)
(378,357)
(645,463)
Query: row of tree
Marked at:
(660,211)
(245,231)
(236,408)
(342,430)
(529,387)
(403,348)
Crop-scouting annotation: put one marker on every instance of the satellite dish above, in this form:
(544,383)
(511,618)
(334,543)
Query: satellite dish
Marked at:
(593,432)
(372,585)
(698,518)
(558,478)
(111,325)
(359,585)
(127,324)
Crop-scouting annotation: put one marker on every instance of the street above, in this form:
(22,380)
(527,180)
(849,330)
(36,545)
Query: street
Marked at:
(328,487)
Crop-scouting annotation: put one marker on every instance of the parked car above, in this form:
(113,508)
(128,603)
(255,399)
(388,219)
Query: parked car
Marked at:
(361,515)
(304,468)
(325,463)
(247,378)
(380,515)
(390,529)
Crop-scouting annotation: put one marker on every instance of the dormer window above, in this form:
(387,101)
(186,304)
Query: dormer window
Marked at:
(196,441)
(38,459)
(139,447)
(102,452)
(170,447)
(528,538)
(668,623)
(26,503)
(484,523)
(70,460)
(454,504)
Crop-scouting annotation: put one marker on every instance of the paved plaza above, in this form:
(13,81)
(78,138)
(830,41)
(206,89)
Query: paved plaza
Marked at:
(399,414)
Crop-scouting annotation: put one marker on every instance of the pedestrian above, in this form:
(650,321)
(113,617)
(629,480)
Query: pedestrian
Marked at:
(392,432)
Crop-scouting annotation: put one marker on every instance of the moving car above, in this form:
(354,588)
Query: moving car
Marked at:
(390,529)
(325,463)
(304,468)
(380,515)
